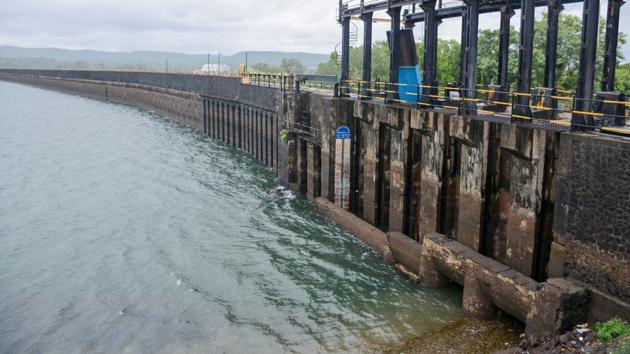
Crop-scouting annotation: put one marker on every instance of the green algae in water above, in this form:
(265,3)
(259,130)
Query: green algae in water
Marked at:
(466,335)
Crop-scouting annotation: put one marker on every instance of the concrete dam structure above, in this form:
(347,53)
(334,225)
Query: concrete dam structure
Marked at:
(529,220)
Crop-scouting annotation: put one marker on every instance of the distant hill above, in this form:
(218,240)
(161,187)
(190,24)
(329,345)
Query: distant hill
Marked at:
(55,58)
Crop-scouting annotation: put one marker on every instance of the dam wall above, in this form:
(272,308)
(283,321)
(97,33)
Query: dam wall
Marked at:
(240,115)
(530,221)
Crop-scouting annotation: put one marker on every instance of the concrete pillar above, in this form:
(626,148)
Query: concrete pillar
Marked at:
(313,179)
(504,46)
(370,171)
(236,125)
(255,134)
(553,14)
(276,142)
(259,136)
(432,160)
(223,115)
(470,204)
(586,74)
(222,121)
(398,185)
(245,128)
(266,142)
(250,130)
(526,181)
(475,303)
(429,274)
(215,120)
(210,118)
(292,163)
(356,178)
(610,46)
(234,112)
(263,137)
(228,123)
(273,136)
(384,175)
(205,116)
(239,134)
(367,53)
(233,124)
(302,167)
(220,125)
(414,179)
(328,128)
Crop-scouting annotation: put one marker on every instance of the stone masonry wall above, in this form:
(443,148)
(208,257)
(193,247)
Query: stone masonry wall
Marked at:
(592,214)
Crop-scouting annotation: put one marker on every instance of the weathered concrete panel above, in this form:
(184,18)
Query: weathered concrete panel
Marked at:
(434,128)
(397,180)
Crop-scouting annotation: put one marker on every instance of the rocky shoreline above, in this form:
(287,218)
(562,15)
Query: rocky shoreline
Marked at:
(504,336)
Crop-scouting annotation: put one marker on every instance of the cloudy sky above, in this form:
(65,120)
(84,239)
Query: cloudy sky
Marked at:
(197,26)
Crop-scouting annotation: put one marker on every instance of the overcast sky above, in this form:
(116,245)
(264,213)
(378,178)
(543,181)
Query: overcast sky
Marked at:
(198,26)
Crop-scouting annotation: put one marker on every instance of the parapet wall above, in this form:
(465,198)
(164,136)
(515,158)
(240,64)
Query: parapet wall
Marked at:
(216,86)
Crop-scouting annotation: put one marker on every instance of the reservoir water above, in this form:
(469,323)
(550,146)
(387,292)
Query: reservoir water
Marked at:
(124,232)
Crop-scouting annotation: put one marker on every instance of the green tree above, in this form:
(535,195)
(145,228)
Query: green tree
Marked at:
(264,68)
(292,66)
(448,61)
(568,53)
(622,78)
(330,67)
(568,57)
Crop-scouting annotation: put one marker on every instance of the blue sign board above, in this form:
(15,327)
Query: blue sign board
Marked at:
(343,132)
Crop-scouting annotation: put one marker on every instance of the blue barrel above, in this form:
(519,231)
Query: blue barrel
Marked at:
(409,79)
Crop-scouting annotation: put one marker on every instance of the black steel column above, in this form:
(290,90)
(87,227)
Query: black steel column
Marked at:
(470,56)
(429,75)
(553,13)
(345,54)
(524,77)
(586,73)
(610,51)
(394,51)
(367,53)
(504,46)
(462,48)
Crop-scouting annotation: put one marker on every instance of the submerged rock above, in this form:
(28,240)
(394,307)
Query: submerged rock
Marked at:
(464,336)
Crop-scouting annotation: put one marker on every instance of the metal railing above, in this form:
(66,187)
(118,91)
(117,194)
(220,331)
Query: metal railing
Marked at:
(548,108)
(290,82)
(280,81)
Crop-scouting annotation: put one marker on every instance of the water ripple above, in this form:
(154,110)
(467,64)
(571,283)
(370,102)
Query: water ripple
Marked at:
(121,231)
